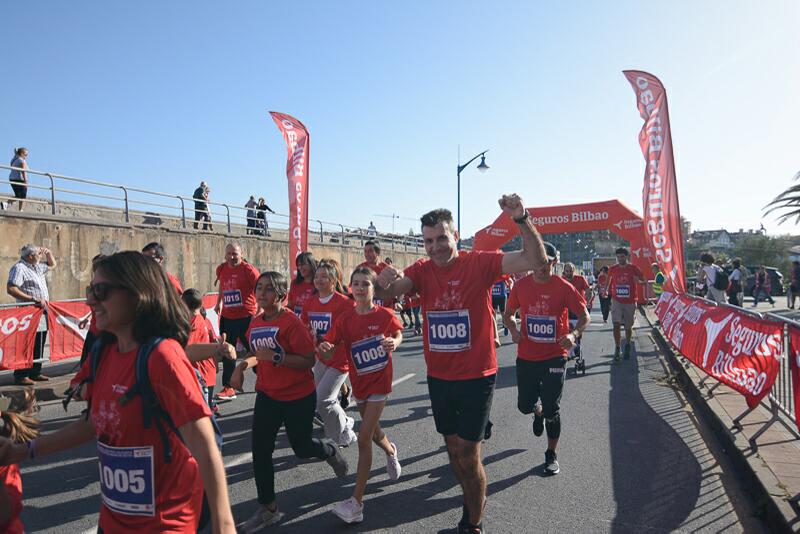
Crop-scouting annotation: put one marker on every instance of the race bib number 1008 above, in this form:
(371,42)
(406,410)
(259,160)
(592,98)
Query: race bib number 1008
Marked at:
(448,331)
(369,355)
(126,479)
(265,337)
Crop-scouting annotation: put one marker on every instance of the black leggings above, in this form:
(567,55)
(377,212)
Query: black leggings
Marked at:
(234,329)
(605,306)
(268,417)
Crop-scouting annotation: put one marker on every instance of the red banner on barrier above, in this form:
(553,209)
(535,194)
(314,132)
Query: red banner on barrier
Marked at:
(209,301)
(17,336)
(794,368)
(662,217)
(741,351)
(296,137)
(65,334)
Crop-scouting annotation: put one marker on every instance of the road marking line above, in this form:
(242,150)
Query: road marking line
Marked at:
(239,460)
(402,379)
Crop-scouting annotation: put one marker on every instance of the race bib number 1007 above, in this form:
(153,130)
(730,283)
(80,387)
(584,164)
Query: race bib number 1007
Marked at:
(126,479)
(448,331)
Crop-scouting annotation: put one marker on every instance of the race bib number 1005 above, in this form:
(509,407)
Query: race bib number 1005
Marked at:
(448,331)
(126,479)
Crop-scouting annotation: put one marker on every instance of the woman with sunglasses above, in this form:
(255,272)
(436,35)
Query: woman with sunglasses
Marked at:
(302,286)
(282,351)
(319,314)
(133,303)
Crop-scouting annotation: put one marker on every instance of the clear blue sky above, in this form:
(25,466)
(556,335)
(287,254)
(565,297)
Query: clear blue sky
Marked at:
(163,94)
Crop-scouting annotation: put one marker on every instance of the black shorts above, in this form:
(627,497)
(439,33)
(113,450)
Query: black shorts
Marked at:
(20,190)
(499,303)
(461,406)
(540,380)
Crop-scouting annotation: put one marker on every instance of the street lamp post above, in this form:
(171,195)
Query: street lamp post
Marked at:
(483,167)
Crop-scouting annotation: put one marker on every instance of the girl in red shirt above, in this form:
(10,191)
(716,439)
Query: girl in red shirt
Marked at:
(303,285)
(282,351)
(19,426)
(319,314)
(133,302)
(369,334)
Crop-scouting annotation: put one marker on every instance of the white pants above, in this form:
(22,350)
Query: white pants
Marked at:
(717,295)
(329,380)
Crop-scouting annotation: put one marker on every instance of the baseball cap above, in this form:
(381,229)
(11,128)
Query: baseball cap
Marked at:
(550,250)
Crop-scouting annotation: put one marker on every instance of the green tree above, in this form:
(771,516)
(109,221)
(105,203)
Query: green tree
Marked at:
(758,249)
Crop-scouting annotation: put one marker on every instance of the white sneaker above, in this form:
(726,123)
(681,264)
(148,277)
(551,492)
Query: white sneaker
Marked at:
(347,438)
(349,511)
(393,464)
(262,518)
(349,423)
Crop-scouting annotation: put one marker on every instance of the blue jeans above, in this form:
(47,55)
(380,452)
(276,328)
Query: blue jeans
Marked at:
(758,293)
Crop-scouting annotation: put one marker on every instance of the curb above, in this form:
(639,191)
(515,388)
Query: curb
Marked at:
(779,513)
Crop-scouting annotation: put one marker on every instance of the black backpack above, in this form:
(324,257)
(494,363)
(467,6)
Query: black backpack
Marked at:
(721,280)
(152,412)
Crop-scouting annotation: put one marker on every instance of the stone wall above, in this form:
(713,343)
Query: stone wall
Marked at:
(191,256)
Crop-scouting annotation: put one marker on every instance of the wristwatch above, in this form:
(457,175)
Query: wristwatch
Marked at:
(277,358)
(522,219)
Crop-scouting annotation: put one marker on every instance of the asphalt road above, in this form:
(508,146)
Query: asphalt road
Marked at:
(633,455)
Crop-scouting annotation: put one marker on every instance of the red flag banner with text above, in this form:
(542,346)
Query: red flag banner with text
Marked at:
(64,326)
(296,137)
(794,368)
(18,335)
(740,350)
(662,217)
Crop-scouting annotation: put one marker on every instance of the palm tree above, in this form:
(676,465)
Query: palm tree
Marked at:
(789,200)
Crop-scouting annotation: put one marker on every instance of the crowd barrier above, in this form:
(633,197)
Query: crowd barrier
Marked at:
(740,348)
(67,196)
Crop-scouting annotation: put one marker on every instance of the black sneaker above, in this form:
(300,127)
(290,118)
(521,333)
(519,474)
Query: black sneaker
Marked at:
(466,528)
(538,425)
(551,466)
(487,432)
(616,354)
(627,351)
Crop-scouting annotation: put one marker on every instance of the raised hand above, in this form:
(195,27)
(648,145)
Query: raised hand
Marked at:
(512,205)
(389,344)
(387,276)
(225,350)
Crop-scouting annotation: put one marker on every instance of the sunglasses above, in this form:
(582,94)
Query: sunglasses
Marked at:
(101,290)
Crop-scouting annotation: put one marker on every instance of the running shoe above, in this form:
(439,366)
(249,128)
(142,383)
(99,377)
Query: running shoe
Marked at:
(338,462)
(393,464)
(349,511)
(616,354)
(262,518)
(551,463)
(466,528)
(538,424)
(627,351)
(227,394)
(347,438)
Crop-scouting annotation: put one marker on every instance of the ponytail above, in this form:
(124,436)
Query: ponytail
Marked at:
(18,423)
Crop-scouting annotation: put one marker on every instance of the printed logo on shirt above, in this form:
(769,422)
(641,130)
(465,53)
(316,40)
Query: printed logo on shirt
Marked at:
(119,388)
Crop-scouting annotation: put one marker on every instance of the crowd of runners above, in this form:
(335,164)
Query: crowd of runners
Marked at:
(149,370)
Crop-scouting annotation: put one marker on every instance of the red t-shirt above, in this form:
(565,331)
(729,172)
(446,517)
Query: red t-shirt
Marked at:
(602,285)
(202,332)
(175,283)
(299,294)
(237,286)
(458,315)
(579,283)
(370,367)
(322,317)
(285,333)
(12,481)
(378,267)
(622,287)
(134,476)
(93,325)
(544,309)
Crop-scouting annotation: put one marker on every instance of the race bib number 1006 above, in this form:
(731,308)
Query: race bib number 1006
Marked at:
(540,329)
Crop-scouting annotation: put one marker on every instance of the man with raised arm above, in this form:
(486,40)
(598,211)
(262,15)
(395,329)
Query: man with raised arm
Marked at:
(455,290)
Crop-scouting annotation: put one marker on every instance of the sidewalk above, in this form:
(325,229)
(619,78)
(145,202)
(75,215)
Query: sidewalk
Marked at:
(771,464)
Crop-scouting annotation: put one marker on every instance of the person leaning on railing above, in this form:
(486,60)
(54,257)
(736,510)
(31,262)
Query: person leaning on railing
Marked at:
(19,178)
(27,283)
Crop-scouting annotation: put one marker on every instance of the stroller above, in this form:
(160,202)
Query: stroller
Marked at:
(575,354)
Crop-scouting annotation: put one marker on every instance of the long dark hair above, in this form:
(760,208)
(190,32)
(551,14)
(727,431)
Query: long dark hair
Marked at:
(305,257)
(19,423)
(159,310)
(331,266)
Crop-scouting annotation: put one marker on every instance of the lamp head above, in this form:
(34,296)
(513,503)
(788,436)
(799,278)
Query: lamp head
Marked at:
(482,166)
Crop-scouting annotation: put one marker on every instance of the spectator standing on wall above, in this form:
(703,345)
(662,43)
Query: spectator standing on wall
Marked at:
(27,283)
(262,228)
(19,178)
(251,214)
(201,207)
(372,231)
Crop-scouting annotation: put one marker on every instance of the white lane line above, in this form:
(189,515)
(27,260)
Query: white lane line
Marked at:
(402,379)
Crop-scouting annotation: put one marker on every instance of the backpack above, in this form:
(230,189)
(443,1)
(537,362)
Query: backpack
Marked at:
(152,412)
(721,280)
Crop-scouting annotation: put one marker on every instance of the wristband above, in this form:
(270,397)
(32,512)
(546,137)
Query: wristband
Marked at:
(31,449)
(523,218)
(277,358)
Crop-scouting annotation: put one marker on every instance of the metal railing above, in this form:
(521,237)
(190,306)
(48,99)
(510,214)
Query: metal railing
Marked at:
(63,197)
(780,400)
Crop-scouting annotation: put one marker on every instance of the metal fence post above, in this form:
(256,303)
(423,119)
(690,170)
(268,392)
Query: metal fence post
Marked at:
(52,194)
(342,227)
(321,233)
(228,210)
(183,213)
(127,208)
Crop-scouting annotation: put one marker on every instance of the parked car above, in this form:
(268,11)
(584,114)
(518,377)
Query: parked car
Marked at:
(775,278)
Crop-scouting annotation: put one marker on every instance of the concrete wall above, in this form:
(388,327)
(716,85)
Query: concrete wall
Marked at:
(191,256)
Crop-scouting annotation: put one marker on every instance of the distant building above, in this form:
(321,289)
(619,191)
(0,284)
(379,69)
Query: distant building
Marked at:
(712,239)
